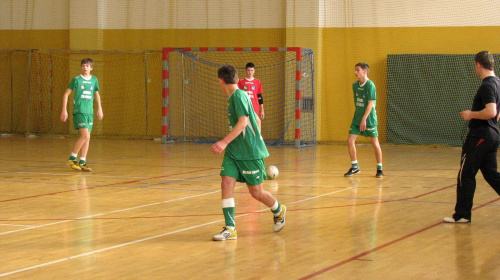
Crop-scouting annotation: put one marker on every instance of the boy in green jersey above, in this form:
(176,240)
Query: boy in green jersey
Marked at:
(364,121)
(86,89)
(244,155)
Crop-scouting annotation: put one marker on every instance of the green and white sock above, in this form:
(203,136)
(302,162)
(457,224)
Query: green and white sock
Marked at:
(228,210)
(276,208)
(82,160)
(354,164)
(72,157)
(379,166)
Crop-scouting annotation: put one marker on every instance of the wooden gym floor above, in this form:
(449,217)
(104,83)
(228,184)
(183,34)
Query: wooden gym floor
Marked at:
(148,211)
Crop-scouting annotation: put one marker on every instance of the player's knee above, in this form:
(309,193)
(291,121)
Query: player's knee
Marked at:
(85,137)
(256,193)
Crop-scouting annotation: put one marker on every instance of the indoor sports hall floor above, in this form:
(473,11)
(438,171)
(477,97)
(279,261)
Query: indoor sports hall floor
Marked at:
(148,211)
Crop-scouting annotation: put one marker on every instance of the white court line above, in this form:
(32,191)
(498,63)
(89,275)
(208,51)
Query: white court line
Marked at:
(151,237)
(107,213)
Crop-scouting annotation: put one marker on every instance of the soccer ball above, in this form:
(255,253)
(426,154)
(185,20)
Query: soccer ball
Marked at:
(272,172)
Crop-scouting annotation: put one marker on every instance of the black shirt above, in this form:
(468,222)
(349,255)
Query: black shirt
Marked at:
(488,92)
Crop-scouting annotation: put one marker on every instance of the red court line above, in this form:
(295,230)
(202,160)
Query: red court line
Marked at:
(107,185)
(382,246)
(218,214)
(424,194)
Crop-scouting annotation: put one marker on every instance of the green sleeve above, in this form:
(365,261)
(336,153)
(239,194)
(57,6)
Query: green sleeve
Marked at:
(72,84)
(371,91)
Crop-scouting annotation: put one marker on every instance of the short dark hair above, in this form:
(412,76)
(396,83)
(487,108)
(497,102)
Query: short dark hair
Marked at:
(249,65)
(228,74)
(363,66)
(485,59)
(87,61)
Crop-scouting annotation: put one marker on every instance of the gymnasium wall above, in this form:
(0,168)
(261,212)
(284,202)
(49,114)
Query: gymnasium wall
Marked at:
(341,33)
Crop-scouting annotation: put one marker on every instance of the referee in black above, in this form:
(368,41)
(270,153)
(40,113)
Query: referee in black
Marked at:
(479,151)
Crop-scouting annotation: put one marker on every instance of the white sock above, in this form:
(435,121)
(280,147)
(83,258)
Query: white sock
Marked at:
(275,205)
(74,155)
(228,202)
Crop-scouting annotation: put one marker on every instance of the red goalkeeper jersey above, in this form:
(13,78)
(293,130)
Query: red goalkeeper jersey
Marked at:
(252,88)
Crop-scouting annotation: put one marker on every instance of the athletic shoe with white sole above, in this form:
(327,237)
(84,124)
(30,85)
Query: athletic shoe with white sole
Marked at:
(452,220)
(279,222)
(352,171)
(226,234)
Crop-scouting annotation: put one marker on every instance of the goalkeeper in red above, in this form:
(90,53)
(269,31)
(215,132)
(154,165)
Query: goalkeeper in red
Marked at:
(253,88)
(86,89)
(244,155)
(364,121)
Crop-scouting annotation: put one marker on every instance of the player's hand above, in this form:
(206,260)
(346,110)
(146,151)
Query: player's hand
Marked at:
(262,115)
(362,125)
(64,116)
(100,115)
(218,147)
(466,115)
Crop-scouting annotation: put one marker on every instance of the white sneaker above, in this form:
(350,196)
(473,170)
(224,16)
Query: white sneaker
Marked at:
(452,220)
(279,222)
(226,234)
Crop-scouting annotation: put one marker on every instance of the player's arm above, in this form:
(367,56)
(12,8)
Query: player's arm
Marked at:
(218,147)
(362,124)
(261,105)
(64,111)
(97,99)
(489,111)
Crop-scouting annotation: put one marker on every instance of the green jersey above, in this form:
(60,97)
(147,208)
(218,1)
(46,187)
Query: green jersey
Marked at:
(249,145)
(84,94)
(363,93)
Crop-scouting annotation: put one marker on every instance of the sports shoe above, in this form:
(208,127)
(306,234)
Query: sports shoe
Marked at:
(452,220)
(85,168)
(352,171)
(73,164)
(279,222)
(226,234)
(380,174)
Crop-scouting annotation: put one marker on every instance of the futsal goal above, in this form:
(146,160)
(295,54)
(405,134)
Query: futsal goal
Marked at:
(195,109)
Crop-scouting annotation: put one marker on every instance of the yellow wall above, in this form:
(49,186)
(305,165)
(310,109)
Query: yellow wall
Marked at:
(344,47)
(34,39)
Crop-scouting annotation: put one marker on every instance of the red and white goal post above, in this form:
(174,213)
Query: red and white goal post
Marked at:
(195,109)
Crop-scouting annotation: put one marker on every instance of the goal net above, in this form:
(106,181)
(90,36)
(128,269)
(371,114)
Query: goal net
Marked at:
(195,109)
(32,83)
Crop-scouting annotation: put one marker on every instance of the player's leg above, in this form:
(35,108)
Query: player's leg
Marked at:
(84,141)
(279,210)
(229,173)
(85,131)
(254,177)
(489,167)
(466,181)
(378,156)
(76,148)
(351,145)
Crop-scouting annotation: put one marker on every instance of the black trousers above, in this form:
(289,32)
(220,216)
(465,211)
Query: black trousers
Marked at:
(477,154)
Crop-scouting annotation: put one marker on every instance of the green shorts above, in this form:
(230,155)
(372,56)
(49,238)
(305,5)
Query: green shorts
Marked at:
(83,121)
(251,172)
(370,131)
